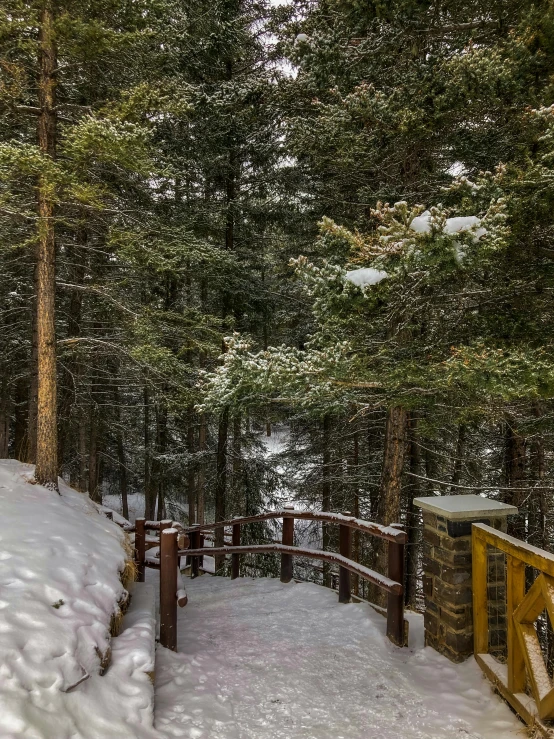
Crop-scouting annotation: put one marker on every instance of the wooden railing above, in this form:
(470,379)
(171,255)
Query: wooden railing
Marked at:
(191,546)
(525,664)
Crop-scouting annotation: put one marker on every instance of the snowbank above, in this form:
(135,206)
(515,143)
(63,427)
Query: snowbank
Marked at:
(59,587)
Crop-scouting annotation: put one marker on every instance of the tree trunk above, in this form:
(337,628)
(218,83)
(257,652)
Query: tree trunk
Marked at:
(29,448)
(149,492)
(355,508)
(191,481)
(326,493)
(157,462)
(515,460)
(391,480)
(201,476)
(413,527)
(4,415)
(46,471)
(459,461)
(239,505)
(20,421)
(93,488)
(221,481)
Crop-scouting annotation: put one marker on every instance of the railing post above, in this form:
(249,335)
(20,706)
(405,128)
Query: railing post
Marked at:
(201,546)
(235,558)
(140,547)
(168,588)
(195,544)
(395,603)
(345,548)
(288,540)
(515,592)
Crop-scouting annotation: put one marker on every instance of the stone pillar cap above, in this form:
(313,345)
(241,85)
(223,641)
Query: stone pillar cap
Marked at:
(463,507)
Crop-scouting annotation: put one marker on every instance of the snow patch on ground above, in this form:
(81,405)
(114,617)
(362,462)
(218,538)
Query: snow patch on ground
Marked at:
(59,586)
(263,660)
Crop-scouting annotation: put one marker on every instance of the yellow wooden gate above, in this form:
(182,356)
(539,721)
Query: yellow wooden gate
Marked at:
(523,680)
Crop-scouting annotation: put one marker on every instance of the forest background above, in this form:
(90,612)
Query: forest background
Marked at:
(332,217)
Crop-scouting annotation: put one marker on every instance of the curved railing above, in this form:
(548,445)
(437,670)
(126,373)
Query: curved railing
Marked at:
(177,541)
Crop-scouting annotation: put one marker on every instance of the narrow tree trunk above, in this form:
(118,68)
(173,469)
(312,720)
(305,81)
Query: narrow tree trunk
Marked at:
(459,461)
(391,479)
(410,596)
(46,471)
(29,449)
(515,461)
(122,475)
(20,420)
(93,490)
(149,492)
(221,481)
(82,453)
(4,414)
(157,463)
(355,507)
(191,477)
(201,476)
(326,493)
(236,469)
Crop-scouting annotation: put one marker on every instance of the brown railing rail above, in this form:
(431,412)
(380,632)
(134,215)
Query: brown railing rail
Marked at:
(176,542)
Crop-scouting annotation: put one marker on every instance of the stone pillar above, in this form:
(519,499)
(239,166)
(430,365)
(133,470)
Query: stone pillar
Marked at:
(447,587)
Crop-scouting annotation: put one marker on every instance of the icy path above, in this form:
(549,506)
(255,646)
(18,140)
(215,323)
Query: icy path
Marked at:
(262,660)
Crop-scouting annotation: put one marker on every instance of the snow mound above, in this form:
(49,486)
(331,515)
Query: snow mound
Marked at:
(263,660)
(422,224)
(366,276)
(60,561)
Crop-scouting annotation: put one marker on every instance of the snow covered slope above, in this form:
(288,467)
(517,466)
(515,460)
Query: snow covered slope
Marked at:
(262,660)
(59,586)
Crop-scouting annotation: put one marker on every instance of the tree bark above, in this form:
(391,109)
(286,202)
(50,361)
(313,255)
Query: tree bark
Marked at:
(413,527)
(4,415)
(201,476)
(157,461)
(515,462)
(326,493)
(459,461)
(191,476)
(149,492)
(46,470)
(221,480)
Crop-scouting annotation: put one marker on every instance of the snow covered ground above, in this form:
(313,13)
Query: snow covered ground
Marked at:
(262,660)
(60,561)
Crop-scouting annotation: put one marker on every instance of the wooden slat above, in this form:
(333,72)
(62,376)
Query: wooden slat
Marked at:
(527,553)
(515,594)
(479,578)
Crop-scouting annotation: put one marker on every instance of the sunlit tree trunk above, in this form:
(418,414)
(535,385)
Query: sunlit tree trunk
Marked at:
(46,471)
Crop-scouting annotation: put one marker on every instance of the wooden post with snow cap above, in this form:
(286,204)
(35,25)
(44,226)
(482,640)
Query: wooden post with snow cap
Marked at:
(288,540)
(395,601)
(168,588)
(140,547)
(235,558)
(345,547)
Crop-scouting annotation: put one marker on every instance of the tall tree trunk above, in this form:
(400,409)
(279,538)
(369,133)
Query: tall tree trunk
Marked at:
(4,414)
(540,505)
(149,490)
(93,490)
(157,462)
(191,476)
(221,481)
(29,450)
(82,452)
(459,461)
(326,493)
(20,421)
(46,471)
(355,506)
(201,476)
(515,461)
(410,595)
(391,479)
(236,469)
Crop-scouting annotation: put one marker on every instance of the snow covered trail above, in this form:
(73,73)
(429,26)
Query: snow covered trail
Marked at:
(263,660)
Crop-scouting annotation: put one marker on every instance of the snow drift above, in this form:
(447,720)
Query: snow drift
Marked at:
(60,565)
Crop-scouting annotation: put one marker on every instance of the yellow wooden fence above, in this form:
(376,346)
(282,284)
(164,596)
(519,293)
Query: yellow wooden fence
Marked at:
(524,680)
